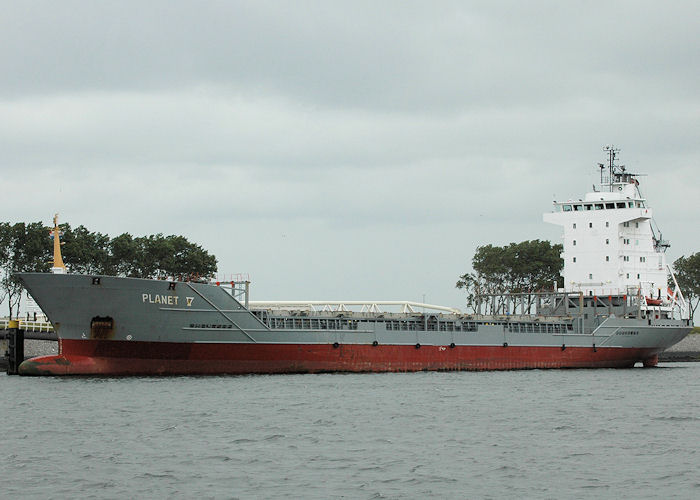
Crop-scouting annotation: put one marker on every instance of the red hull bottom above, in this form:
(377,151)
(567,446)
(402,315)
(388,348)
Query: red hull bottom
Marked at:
(100,357)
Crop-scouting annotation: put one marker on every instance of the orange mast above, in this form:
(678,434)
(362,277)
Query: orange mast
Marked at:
(58,266)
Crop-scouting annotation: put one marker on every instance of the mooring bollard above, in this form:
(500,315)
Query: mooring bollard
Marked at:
(15,347)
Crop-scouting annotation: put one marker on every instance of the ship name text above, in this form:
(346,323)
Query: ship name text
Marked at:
(170,300)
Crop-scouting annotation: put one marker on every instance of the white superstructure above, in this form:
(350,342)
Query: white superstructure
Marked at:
(610,246)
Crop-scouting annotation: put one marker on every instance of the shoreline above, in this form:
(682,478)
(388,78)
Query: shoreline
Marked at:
(687,349)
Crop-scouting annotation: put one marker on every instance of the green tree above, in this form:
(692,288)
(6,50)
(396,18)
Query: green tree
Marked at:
(25,248)
(28,247)
(85,252)
(5,253)
(188,260)
(161,256)
(515,268)
(687,270)
(154,256)
(158,256)
(124,252)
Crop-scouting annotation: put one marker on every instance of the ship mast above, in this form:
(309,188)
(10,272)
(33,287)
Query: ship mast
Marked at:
(58,266)
(612,168)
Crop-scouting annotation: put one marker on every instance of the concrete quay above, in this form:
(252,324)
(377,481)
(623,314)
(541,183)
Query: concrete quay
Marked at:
(687,349)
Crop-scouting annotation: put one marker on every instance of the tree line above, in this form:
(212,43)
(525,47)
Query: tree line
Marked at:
(28,247)
(532,266)
(687,271)
(527,266)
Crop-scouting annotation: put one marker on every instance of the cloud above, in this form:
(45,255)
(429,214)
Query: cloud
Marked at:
(349,149)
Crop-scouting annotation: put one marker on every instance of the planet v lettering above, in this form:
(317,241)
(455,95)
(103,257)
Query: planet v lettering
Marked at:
(170,300)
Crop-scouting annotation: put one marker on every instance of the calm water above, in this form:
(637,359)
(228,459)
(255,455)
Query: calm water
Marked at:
(526,434)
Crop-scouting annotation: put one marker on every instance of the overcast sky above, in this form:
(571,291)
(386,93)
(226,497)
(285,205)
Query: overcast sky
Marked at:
(345,150)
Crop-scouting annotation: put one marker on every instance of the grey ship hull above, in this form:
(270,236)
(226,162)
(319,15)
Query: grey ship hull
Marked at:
(119,326)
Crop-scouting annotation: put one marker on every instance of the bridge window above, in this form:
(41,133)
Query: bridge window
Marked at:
(609,205)
(567,208)
(621,204)
(577,208)
(599,206)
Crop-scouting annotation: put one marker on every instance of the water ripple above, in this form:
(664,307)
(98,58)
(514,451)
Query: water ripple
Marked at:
(539,433)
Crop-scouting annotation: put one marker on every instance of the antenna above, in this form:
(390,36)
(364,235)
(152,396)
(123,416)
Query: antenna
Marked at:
(612,156)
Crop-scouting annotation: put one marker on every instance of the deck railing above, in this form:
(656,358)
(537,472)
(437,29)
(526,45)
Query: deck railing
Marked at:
(28,325)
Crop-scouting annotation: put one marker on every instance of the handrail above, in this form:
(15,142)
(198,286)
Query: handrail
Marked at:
(406,306)
(28,326)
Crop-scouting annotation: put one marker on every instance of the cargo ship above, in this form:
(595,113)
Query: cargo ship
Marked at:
(616,309)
